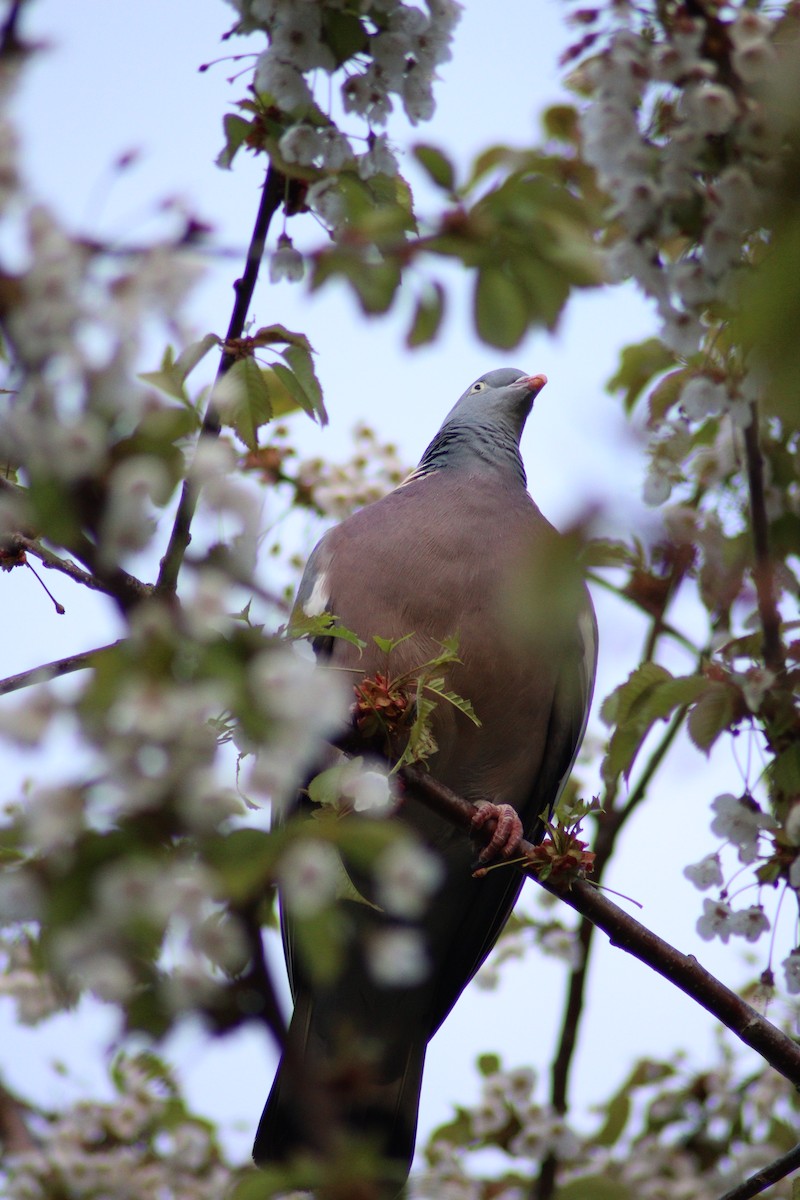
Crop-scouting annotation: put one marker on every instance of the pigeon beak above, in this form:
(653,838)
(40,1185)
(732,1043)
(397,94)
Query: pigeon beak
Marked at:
(534,384)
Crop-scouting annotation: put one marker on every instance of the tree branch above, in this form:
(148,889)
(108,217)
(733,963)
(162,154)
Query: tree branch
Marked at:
(48,559)
(762,569)
(15,1136)
(628,934)
(271,198)
(763,1179)
(51,670)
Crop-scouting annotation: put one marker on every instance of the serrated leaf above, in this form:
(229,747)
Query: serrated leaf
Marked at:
(638,364)
(437,165)
(631,692)
(427,317)
(463,706)
(300,360)
(195,352)
(242,399)
(269,335)
(712,714)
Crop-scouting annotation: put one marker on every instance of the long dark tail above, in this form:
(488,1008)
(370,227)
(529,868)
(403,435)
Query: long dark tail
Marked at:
(326,1096)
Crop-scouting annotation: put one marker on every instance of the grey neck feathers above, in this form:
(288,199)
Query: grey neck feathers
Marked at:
(490,448)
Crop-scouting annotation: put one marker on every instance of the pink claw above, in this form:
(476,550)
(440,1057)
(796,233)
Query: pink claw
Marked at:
(507,834)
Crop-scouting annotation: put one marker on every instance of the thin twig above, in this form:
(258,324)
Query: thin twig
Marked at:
(762,571)
(758,1183)
(271,198)
(52,670)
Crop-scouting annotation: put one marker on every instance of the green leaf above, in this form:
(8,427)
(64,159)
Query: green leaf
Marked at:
(560,121)
(242,397)
(387,645)
(244,860)
(427,317)
(500,311)
(302,365)
(666,393)
(437,165)
(236,130)
(488,1064)
(464,706)
(785,770)
(712,714)
(344,34)
(617,1112)
(269,335)
(638,364)
(320,944)
(323,625)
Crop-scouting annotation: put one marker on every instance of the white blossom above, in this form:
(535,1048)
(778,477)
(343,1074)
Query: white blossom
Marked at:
(715,921)
(750,923)
(711,107)
(791,970)
(379,158)
(283,82)
(740,821)
(406,876)
(706,873)
(702,397)
(300,144)
(397,958)
(368,791)
(308,874)
(286,262)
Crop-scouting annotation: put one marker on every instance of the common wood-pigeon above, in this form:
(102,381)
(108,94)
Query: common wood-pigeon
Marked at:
(436,557)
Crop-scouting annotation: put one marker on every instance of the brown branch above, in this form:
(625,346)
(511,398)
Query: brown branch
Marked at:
(52,670)
(15,1136)
(626,933)
(271,198)
(763,572)
(53,562)
(763,1179)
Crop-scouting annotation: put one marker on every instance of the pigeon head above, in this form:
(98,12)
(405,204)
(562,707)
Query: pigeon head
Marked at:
(486,424)
(504,397)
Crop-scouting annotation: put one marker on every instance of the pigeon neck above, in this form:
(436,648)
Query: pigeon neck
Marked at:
(490,448)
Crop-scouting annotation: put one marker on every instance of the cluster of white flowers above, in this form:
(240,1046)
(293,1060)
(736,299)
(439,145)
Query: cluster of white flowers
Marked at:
(338,489)
(127,1148)
(396,50)
(741,823)
(659,106)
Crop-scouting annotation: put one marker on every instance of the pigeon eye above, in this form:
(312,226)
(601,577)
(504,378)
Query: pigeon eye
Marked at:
(478,387)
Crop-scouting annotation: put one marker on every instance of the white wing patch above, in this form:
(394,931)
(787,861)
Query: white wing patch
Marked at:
(317,602)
